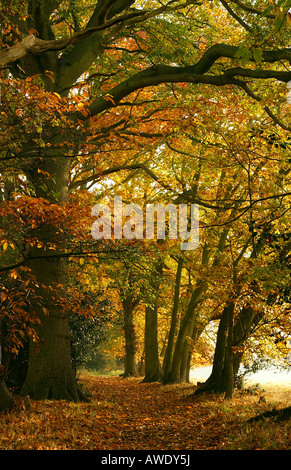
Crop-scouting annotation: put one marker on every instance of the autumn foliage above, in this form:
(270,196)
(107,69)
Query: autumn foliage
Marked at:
(128,415)
(178,103)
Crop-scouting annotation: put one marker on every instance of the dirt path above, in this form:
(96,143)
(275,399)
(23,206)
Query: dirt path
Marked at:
(125,414)
(153,416)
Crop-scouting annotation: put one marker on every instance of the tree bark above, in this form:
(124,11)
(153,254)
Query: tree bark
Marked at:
(6,400)
(50,373)
(130,366)
(229,372)
(187,356)
(215,381)
(153,370)
(187,324)
(186,328)
(170,345)
(248,318)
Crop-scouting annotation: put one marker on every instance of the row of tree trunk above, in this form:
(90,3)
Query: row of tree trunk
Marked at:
(175,365)
(50,374)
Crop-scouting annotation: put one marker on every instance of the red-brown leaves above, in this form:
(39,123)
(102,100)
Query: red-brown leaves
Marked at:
(127,414)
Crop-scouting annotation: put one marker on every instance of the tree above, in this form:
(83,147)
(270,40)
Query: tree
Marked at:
(153,370)
(174,320)
(126,280)
(6,399)
(56,49)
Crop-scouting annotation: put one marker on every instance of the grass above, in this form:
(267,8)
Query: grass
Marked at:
(265,434)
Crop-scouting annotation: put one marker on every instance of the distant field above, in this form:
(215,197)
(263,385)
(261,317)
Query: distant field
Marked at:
(271,376)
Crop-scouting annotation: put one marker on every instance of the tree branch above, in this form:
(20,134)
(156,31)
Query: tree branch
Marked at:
(69,254)
(35,45)
(266,108)
(115,169)
(158,74)
(236,17)
(249,9)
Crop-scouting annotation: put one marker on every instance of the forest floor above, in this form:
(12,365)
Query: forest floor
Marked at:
(125,414)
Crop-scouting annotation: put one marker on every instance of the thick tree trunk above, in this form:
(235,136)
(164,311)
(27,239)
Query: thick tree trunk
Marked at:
(248,318)
(153,370)
(216,380)
(130,364)
(186,359)
(50,374)
(226,359)
(6,400)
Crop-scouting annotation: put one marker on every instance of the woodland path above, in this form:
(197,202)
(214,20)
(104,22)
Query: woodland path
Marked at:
(125,414)
(153,416)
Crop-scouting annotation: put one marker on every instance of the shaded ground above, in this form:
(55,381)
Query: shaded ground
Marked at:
(126,414)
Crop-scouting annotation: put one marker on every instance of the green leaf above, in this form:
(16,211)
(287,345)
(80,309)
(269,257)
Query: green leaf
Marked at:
(244,54)
(258,54)
(279,21)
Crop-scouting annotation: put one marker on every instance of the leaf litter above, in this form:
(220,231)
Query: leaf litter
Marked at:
(126,414)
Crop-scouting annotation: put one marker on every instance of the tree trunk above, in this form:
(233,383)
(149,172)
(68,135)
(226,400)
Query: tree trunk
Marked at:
(50,373)
(153,370)
(248,318)
(170,345)
(130,365)
(216,380)
(188,322)
(187,356)
(140,366)
(229,373)
(6,400)
(186,328)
